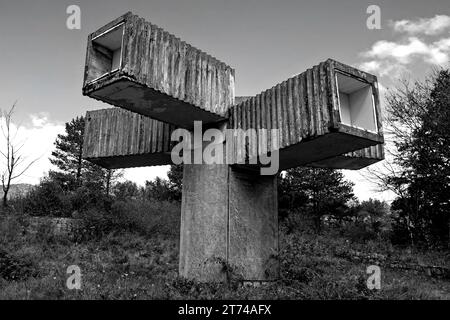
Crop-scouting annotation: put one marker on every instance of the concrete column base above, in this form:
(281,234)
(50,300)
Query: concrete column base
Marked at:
(229,224)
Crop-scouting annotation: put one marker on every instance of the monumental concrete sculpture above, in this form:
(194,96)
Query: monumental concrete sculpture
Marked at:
(328,116)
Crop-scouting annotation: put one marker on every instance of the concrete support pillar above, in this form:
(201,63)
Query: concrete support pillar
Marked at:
(229,223)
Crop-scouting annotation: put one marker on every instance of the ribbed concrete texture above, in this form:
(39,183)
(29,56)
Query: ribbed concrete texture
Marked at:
(118,138)
(329,110)
(136,65)
(229,224)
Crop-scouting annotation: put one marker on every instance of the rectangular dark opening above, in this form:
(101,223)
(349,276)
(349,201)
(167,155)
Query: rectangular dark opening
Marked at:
(356,103)
(106,53)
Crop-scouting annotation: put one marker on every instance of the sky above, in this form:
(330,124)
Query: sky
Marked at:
(266,42)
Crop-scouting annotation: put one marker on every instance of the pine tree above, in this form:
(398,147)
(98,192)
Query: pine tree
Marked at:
(68,156)
(175,176)
(74,171)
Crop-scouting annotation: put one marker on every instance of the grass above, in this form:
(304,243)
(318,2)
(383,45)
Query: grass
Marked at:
(126,264)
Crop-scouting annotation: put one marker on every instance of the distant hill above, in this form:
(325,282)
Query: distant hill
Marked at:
(17,190)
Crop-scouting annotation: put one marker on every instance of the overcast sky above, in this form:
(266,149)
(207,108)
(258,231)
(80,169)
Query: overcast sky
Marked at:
(265,41)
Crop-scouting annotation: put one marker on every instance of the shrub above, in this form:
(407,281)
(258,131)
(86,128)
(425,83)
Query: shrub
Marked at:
(148,217)
(297,221)
(46,199)
(360,232)
(85,198)
(13,268)
(50,198)
(11,227)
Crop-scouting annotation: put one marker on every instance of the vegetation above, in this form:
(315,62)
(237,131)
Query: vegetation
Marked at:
(127,237)
(419,125)
(130,261)
(74,171)
(319,192)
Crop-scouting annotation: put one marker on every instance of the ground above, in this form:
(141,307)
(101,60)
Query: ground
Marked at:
(129,265)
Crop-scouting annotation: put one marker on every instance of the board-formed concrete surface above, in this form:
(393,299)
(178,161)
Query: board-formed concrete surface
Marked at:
(204,222)
(134,64)
(253,225)
(229,224)
(117,138)
(329,110)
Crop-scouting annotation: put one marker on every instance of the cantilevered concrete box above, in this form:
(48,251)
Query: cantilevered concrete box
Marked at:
(117,138)
(329,110)
(328,116)
(133,64)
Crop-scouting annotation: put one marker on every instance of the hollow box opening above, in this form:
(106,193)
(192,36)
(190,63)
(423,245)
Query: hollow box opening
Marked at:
(106,53)
(356,103)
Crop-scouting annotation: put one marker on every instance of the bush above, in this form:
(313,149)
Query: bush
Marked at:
(85,198)
(297,221)
(360,232)
(148,217)
(11,227)
(46,199)
(101,213)
(50,198)
(12,268)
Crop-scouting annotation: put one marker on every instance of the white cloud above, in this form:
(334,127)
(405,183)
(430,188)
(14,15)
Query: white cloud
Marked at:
(37,139)
(404,52)
(370,66)
(427,26)
(401,52)
(39,120)
(395,58)
(385,68)
(440,51)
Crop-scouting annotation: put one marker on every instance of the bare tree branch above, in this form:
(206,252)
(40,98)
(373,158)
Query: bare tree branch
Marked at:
(16,164)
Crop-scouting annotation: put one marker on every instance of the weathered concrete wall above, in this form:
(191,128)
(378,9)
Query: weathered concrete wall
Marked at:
(204,222)
(253,225)
(228,222)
